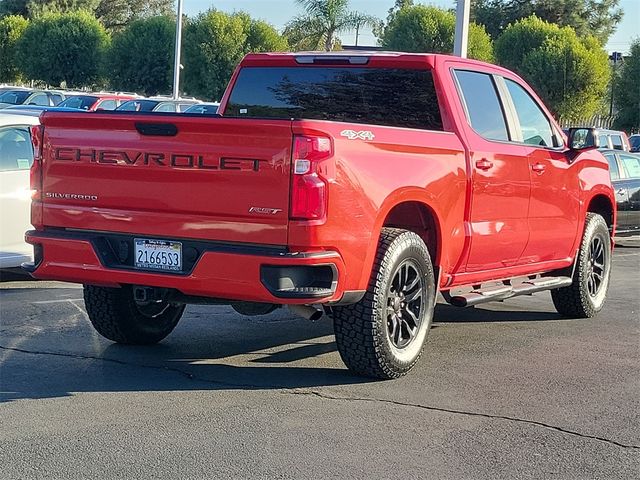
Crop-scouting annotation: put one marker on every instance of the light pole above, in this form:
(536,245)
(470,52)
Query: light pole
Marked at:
(462,28)
(615,57)
(176,66)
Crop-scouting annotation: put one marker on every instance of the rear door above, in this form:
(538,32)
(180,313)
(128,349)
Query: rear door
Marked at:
(168,175)
(500,176)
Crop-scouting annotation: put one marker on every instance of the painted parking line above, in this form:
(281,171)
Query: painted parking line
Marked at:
(46,302)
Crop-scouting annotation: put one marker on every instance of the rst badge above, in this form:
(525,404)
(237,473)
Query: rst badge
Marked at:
(361,135)
(264,210)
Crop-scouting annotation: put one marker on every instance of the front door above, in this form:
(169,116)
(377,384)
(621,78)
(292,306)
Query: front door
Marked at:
(554,209)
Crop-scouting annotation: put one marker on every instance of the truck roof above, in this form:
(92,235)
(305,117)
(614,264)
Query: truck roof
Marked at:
(374,58)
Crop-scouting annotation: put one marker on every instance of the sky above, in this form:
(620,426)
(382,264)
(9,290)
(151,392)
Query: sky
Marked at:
(279,12)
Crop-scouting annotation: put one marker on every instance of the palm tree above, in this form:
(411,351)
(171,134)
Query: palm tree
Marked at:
(322,21)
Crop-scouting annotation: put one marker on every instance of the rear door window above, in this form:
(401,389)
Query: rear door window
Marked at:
(380,96)
(483,107)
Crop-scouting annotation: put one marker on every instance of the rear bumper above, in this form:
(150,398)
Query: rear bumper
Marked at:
(221,271)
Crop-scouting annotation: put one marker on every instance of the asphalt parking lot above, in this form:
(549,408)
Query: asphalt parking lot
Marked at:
(507,390)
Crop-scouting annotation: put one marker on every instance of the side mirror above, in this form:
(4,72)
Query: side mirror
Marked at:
(582,139)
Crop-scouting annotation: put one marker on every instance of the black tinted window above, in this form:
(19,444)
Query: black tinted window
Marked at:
(84,102)
(483,107)
(14,97)
(394,97)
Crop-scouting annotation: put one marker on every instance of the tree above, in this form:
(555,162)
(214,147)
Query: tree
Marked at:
(214,43)
(37,8)
(117,14)
(323,20)
(420,28)
(569,73)
(114,14)
(64,47)
(627,91)
(587,17)
(14,7)
(141,56)
(11,30)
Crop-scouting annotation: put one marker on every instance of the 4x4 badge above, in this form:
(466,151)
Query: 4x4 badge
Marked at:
(361,135)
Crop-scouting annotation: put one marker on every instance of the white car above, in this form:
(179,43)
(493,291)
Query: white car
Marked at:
(16,157)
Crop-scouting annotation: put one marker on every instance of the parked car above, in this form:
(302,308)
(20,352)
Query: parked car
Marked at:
(16,157)
(94,102)
(352,202)
(4,88)
(49,98)
(156,105)
(35,109)
(612,139)
(634,143)
(203,108)
(624,169)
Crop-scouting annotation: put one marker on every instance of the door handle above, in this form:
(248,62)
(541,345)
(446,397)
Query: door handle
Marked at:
(538,167)
(484,164)
(622,191)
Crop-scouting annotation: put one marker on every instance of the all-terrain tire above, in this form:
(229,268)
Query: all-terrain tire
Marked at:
(365,335)
(116,315)
(587,294)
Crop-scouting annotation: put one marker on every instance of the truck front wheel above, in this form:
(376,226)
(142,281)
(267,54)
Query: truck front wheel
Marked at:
(384,334)
(586,296)
(117,315)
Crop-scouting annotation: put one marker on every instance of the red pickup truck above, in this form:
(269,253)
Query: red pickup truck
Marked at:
(358,185)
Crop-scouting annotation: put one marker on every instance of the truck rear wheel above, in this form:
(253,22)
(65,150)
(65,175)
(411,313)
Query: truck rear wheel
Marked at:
(118,316)
(384,334)
(586,296)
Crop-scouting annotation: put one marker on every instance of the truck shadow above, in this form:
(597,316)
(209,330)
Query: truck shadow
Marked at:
(447,313)
(56,353)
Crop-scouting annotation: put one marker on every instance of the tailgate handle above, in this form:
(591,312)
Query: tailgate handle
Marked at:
(157,129)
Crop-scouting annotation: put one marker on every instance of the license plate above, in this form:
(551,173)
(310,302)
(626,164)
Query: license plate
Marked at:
(158,255)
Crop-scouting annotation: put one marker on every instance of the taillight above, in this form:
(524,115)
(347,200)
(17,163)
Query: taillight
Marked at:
(35,176)
(310,184)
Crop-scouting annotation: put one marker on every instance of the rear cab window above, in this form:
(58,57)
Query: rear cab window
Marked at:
(382,96)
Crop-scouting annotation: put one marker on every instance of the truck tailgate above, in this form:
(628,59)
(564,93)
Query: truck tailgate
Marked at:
(167,175)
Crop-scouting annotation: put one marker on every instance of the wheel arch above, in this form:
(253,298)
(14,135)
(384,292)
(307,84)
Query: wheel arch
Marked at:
(398,211)
(603,206)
